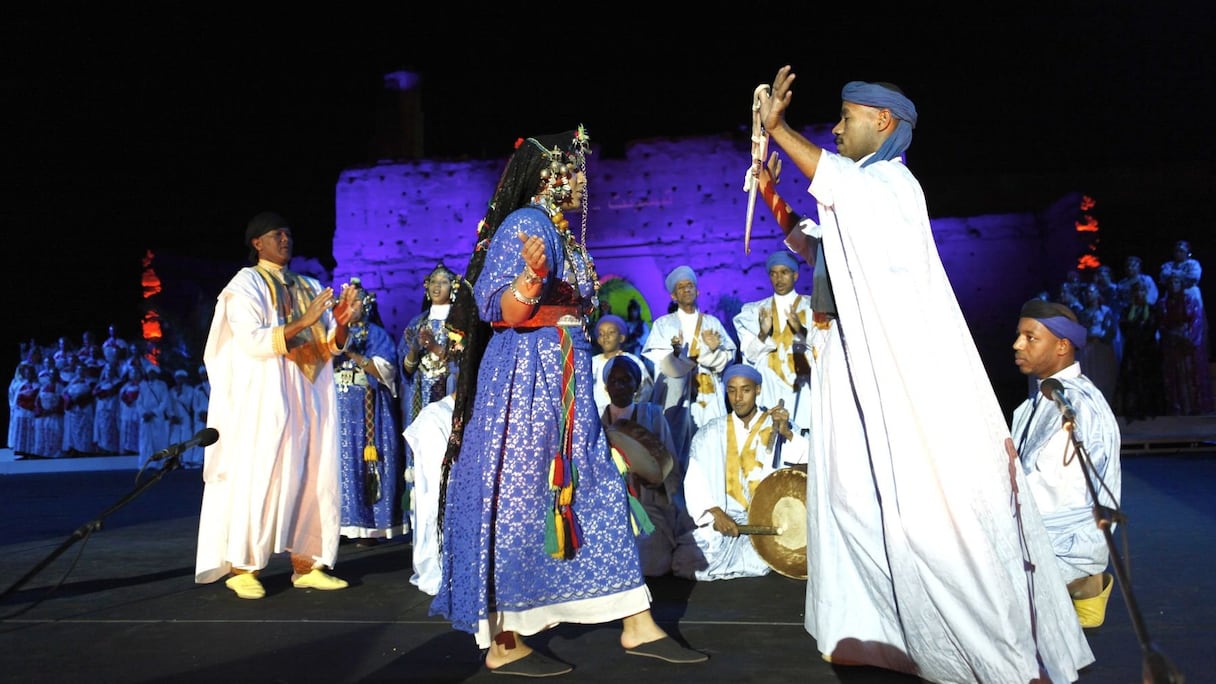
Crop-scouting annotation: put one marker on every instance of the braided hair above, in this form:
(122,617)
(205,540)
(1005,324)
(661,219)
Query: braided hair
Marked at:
(528,173)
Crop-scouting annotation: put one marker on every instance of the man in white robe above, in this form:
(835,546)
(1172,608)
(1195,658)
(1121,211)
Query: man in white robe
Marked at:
(193,457)
(181,422)
(271,480)
(1048,336)
(731,455)
(772,336)
(689,349)
(926,552)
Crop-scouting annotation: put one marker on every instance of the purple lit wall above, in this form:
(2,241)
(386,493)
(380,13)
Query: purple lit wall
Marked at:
(672,202)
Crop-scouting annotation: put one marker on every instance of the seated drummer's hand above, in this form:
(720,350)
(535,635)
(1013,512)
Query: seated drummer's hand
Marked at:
(724,524)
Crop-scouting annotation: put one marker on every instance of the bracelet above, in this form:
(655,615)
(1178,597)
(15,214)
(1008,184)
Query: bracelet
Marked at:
(408,366)
(531,277)
(530,301)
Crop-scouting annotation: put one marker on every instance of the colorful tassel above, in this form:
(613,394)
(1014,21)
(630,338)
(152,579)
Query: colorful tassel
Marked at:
(551,544)
(563,536)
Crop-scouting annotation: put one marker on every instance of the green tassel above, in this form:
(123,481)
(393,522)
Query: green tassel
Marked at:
(640,519)
(551,547)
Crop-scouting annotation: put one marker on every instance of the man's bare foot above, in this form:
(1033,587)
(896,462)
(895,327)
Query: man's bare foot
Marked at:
(1086,587)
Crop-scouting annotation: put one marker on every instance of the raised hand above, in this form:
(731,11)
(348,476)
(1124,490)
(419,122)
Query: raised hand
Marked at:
(774,103)
(792,317)
(533,253)
(773,168)
(764,319)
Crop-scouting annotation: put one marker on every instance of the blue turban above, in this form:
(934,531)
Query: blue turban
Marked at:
(1057,318)
(680,273)
(875,95)
(741,369)
(628,364)
(781,258)
(615,320)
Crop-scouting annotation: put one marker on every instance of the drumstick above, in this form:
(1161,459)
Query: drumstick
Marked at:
(760,529)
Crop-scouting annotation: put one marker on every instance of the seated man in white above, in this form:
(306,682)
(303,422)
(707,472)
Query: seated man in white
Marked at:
(773,339)
(688,349)
(610,332)
(670,548)
(730,456)
(427,439)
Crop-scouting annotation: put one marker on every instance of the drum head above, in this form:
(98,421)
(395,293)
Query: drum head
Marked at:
(647,456)
(780,501)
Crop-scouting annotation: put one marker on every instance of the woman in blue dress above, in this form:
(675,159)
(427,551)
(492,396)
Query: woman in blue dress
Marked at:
(425,348)
(369,436)
(537,525)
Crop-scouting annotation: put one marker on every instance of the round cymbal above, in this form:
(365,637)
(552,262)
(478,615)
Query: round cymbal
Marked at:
(780,503)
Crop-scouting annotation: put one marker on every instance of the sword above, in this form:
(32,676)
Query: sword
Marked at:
(751,182)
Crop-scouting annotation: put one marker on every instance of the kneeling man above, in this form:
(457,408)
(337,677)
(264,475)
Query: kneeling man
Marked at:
(729,457)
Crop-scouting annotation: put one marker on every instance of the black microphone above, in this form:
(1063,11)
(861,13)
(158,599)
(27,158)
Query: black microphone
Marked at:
(204,437)
(1054,390)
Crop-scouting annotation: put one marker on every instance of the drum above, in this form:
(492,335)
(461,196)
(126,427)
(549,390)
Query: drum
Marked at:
(647,455)
(777,521)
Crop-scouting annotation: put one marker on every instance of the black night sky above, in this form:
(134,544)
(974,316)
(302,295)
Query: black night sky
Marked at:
(168,128)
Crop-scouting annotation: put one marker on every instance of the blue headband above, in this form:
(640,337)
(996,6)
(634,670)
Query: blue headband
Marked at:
(632,366)
(615,320)
(744,370)
(874,95)
(781,258)
(678,274)
(1065,329)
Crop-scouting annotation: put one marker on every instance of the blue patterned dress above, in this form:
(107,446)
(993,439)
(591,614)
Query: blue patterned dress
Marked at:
(498,496)
(428,382)
(361,517)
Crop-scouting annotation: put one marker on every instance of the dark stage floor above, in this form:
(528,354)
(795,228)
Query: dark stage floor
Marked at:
(122,606)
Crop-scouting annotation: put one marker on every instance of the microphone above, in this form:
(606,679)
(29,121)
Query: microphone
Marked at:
(204,437)
(1054,390)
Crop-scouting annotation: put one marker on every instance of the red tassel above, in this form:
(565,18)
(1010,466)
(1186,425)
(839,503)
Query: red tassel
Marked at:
(573,540)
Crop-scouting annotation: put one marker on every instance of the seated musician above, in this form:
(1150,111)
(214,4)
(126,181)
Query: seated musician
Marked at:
(729,458)
(670,547)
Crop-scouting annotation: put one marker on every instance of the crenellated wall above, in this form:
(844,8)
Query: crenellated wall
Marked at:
(670,202)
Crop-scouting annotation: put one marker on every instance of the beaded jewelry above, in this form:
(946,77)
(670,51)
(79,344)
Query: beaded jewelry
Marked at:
(521,298)
(531,277)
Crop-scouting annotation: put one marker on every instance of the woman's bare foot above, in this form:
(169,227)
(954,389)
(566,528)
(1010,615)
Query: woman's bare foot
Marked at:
(507,647)
(640,629)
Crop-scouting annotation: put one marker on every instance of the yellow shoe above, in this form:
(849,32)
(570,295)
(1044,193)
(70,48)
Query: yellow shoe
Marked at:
(1092,611)
(316,579)
(842,662)
(246,586)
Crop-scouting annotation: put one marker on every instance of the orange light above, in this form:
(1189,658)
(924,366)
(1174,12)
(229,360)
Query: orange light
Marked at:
(1087,224)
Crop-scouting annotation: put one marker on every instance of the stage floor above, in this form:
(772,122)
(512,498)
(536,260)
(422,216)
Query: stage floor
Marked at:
(120,605)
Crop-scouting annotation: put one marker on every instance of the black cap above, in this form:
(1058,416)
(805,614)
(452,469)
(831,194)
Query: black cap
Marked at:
(263,223)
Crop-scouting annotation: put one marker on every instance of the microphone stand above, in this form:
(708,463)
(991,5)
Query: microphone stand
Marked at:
(1156,667)
(172,462)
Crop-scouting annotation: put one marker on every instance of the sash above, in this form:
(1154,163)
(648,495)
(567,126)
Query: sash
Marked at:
(309,349)
(739,464)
